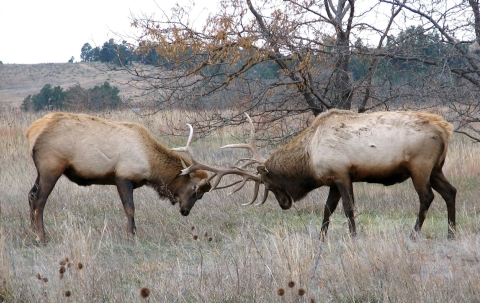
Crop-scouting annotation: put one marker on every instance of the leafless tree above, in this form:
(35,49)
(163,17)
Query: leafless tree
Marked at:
(458,25)
(293,59)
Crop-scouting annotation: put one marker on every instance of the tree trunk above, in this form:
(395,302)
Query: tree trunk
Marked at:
(476,13)
(342,85)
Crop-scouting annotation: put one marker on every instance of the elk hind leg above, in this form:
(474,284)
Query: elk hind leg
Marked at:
(125,190)
(425,195)
(448,192)
(330,206)
(38,198)
(32,195)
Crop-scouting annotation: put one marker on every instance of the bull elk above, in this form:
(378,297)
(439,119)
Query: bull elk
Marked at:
(342,147)
(91,150)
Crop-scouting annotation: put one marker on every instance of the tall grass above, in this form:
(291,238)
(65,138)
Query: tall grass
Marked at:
(225,252)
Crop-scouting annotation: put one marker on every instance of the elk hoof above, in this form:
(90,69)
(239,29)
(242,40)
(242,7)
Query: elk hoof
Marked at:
(39,242)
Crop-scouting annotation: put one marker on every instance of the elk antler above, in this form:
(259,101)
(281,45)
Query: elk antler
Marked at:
(256,156)
(220,172)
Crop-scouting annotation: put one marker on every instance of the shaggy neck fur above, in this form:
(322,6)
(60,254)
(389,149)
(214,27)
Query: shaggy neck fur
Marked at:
(165,167)
(291,167)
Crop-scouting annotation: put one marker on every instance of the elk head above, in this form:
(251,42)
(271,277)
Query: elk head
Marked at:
(191,190)
(269,181)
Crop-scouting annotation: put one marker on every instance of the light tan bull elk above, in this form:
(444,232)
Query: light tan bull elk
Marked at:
(91,150)
(342,147)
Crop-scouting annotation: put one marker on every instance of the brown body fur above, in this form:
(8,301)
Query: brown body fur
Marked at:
(342,147)
(91,150)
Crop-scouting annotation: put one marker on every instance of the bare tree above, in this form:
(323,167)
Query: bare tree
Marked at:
(458,25)
(293,59)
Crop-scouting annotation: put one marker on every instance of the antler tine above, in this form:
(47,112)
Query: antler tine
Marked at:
(220,173)
(186,149)
(247,163)
(255,194)
(255,151)
(228,185)
(265,196)
(256,156)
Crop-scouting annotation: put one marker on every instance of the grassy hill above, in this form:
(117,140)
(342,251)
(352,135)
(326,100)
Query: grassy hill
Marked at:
(17,81)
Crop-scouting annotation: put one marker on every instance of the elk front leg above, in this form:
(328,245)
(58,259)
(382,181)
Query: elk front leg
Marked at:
(125,190)
(330,206)
(345,188)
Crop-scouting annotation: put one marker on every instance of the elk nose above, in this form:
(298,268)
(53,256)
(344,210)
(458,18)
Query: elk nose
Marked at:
(285,203)
(184,212)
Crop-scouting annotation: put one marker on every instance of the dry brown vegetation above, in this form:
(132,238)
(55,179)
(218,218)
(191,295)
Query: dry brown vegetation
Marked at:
(17,81)
(225,252)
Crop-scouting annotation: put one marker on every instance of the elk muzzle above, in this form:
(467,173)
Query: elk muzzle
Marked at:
(283,199)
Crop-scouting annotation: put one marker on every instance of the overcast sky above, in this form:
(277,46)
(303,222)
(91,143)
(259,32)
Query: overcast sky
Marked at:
(49,31)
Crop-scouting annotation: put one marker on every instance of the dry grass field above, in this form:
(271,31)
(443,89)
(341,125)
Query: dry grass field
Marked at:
(225,252)
(17,81)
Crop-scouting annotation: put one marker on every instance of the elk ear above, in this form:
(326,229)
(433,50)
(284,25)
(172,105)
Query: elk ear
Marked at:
(262,170)
(204,185)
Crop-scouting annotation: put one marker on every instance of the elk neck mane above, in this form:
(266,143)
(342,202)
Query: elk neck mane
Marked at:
(165,165)
(291,163)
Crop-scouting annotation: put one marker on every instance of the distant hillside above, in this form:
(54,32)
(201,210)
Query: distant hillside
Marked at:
(17,81)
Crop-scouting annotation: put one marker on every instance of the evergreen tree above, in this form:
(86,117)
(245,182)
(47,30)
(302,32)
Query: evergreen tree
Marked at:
(48,98)
(104,96)
(27,103)
(55,98)
(86,53)
(108,52)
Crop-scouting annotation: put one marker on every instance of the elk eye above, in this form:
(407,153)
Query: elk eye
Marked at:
(194,188)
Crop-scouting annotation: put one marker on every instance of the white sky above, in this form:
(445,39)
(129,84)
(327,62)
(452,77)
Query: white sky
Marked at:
(50,31)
